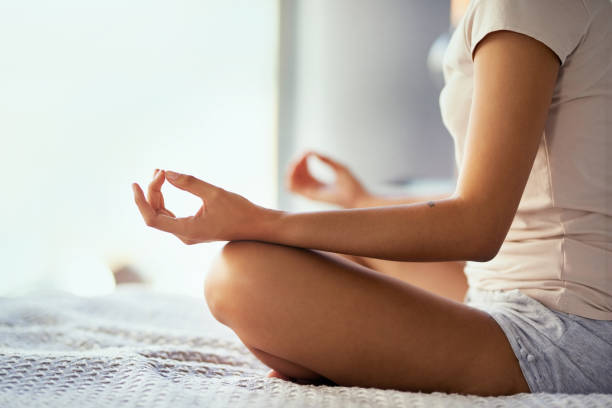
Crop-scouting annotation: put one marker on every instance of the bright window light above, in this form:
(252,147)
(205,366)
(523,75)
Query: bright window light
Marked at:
(97,94)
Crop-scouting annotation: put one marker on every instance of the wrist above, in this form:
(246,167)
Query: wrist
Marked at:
(263,225)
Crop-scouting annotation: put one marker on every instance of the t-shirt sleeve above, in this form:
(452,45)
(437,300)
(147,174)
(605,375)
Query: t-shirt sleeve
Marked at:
(558,24)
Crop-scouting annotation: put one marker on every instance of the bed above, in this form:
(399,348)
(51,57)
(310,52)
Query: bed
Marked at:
(137,348)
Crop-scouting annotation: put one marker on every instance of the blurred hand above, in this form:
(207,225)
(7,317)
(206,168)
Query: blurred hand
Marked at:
(223,216)
(345,191)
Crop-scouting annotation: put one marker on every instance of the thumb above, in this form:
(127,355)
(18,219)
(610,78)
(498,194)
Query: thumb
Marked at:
(329,161)
(189,183)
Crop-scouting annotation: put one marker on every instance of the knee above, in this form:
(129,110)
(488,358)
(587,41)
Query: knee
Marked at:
(226,280)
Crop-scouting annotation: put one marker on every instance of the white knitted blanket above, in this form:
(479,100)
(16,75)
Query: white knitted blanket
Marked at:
(140,349)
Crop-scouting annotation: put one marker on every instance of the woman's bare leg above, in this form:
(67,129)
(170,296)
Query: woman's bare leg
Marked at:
(311,314)
(442,278)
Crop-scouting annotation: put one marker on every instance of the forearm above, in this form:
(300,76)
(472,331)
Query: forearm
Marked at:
(371,200)
(440,231)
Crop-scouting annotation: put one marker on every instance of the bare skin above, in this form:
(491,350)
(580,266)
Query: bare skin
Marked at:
(313,316)
(354,326)
(442,278)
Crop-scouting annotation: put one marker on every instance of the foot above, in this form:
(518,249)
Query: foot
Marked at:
(276,374)
(320,381)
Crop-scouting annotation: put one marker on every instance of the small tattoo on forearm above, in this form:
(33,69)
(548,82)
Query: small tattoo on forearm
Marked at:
(431,204)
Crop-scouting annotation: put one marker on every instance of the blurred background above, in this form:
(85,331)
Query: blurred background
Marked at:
(95,95)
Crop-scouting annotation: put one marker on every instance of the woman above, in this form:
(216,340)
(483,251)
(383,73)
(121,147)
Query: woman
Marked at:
(528,101)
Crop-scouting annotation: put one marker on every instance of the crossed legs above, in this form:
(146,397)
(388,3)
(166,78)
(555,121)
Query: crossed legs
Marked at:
(317,317)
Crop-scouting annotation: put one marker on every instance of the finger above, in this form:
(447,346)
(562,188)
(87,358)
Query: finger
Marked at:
(157,198)
(329,161)
(302,158)
(300,175)
(143,205)
(305,185)
(154,195)
(162,206)
(190,184)
(304,175)
(155,172)
(157,181)
(294,163)
(152,219)
(299,168)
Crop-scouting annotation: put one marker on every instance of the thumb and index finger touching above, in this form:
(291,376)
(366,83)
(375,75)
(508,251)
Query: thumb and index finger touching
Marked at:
(299,169)
(336,166)
(190,184)
(151,217)
(182,181)
(327,160)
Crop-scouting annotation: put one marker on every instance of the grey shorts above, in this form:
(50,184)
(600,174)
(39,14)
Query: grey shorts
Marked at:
(558,352)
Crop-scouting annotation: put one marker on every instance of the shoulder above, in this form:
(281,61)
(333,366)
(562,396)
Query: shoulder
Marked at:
(558,24)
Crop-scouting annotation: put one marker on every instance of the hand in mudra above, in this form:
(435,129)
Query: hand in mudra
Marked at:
(345,190)
(223,216)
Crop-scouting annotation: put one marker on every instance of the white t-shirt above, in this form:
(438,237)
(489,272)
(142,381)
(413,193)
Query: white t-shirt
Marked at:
(559,247)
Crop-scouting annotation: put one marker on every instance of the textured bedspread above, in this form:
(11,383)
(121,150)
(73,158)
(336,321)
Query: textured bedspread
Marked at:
(136,348)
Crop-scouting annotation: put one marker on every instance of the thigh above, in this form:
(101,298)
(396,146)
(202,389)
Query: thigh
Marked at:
(356,326)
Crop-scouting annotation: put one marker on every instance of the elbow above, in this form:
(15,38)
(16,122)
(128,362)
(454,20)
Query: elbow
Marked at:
(486,246)
(485,230)
(485,253)
(486,241)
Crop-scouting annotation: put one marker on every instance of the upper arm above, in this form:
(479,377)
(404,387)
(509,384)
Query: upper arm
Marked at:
(514,79)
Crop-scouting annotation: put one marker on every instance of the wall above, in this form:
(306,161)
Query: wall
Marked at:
(355,85)
(95,95)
